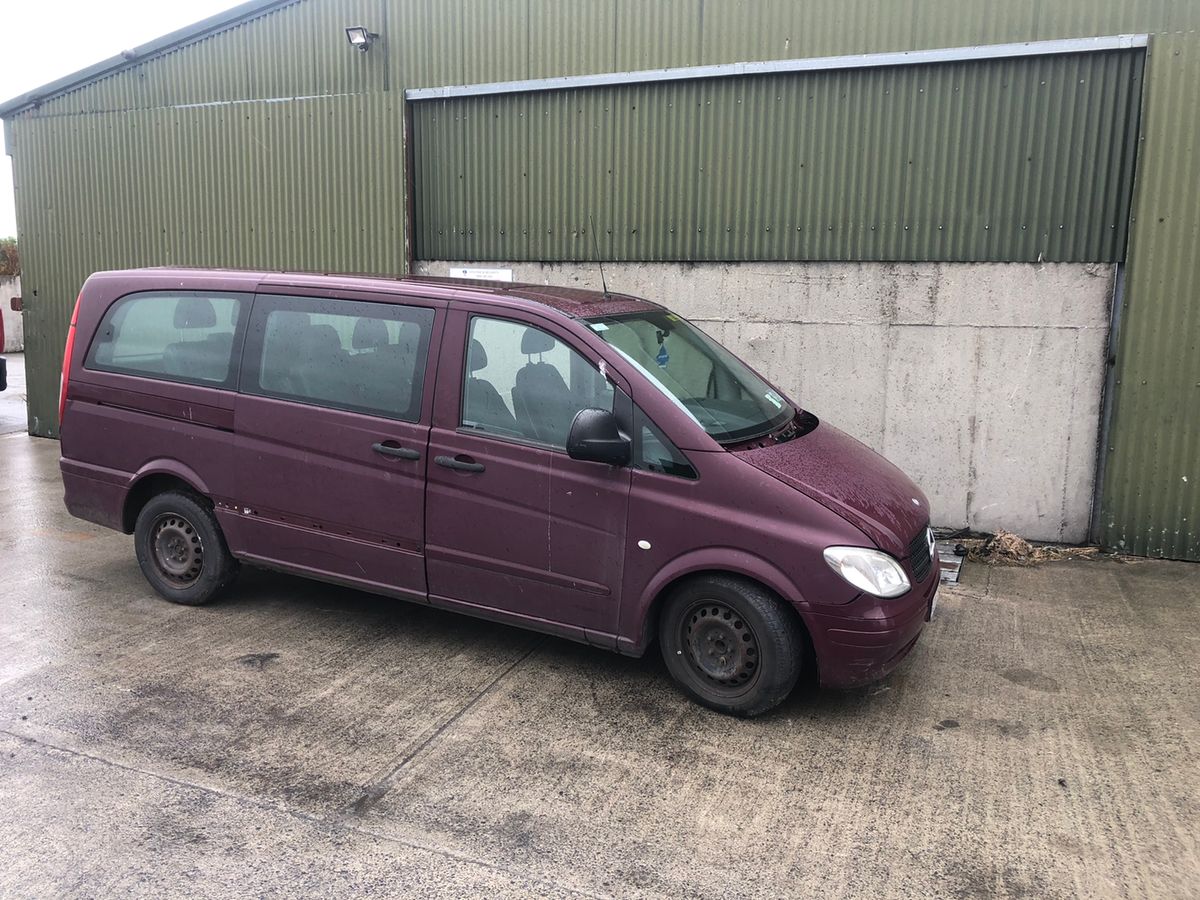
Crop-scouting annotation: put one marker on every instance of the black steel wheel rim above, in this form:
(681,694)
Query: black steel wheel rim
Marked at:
(177,549)
(720,645)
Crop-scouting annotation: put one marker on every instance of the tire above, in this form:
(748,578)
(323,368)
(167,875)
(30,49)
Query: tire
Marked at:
(181,550)
(731,644)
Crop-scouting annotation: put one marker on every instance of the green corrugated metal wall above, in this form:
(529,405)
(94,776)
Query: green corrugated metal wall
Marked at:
(299,50)
(242,185)
(1151,496)
(999,160)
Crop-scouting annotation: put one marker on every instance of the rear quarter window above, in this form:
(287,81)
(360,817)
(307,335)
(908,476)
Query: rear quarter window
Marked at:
(184,336)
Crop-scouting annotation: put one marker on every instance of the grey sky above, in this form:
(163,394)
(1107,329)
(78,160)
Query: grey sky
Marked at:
(47,40)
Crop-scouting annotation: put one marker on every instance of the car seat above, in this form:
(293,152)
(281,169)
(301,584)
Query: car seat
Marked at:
(323,370)
(483,404)
(542,400)
(385,375)
(369,334)
(280,358)
(201,359)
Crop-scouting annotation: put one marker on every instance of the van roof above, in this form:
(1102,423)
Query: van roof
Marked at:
(572,302)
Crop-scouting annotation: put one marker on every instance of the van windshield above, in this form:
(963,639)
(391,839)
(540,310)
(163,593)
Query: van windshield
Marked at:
(700,376)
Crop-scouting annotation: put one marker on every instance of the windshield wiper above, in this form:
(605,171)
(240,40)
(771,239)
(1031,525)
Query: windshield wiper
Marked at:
(798,425)
(746,438)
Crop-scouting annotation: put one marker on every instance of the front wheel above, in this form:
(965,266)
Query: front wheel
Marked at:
(181,550)
(731,644)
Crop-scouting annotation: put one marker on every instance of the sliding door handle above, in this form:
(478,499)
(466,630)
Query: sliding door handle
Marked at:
(461,463)
(394,450)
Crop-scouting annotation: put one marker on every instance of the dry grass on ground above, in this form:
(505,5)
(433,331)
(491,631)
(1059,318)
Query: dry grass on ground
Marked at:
(1006,548)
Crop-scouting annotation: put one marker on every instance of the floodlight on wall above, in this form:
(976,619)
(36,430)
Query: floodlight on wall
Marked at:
(360,38)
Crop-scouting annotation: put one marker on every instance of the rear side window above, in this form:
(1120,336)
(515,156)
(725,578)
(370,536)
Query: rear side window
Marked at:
(185,337)
(344,354)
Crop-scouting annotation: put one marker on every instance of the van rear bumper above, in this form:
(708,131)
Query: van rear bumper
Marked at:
(94,493)
(853,650)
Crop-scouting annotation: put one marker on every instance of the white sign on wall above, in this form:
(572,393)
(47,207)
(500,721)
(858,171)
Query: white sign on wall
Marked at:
(481,274)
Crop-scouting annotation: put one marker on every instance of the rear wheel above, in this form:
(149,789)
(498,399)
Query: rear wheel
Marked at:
(731,644)
(181,550)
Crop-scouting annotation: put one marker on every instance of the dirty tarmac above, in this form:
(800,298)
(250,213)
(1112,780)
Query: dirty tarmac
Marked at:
(298,738)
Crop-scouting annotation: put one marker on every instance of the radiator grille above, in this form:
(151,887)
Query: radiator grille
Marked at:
(918,555)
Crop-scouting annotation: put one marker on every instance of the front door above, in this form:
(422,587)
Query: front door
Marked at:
(513,524)
(331,431)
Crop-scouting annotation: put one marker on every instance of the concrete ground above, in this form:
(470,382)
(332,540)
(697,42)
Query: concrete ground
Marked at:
(298,739)
(12,401)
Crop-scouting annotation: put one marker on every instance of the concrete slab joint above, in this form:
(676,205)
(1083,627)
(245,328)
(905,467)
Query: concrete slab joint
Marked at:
(983,381)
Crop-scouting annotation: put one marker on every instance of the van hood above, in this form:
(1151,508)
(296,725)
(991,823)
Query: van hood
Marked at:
(851,479)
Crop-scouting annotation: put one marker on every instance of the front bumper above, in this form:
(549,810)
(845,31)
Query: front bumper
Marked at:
(865,640)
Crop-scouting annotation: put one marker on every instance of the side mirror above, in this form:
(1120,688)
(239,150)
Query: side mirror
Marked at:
(596,437)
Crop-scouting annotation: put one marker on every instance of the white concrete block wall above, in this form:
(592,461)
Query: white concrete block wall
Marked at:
(983,381)
(14,332)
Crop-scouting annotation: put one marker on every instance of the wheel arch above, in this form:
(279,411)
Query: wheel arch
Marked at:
(736,563)
(152,480)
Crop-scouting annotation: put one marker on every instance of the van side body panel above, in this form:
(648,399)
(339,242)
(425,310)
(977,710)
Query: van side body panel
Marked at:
(536,535)
(314,494)
(697,525)
(123,427)
(737,519)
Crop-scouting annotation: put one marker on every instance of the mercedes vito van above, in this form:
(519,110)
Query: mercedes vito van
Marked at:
(585,464)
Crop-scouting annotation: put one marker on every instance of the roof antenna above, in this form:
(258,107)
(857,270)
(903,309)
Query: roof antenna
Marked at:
(599,261)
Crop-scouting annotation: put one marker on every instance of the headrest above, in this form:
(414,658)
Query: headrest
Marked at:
(290,318)
(534,340)
(195,312)
(476,356)
(369,334)
(323,337)
(410,335)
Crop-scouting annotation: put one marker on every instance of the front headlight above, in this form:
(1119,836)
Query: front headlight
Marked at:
(872,571)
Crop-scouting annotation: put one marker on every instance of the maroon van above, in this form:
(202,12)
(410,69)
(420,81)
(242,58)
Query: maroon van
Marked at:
(589,465)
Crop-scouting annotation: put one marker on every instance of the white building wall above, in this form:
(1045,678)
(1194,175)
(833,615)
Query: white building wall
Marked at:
(14,331)
(983,381)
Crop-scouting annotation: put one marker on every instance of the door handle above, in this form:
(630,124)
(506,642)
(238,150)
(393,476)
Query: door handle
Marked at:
(391,449)
(465,464)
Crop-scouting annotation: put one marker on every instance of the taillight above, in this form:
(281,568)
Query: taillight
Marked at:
(66,369)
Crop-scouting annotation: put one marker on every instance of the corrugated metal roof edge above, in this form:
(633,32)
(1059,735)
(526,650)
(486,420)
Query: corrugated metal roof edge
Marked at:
(974,52)
(203,28)
(255,8)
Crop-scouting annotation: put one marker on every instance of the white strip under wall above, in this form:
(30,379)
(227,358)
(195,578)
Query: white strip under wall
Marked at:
(770,67)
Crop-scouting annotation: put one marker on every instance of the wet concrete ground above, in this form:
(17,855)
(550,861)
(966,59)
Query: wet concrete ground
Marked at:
(298,739)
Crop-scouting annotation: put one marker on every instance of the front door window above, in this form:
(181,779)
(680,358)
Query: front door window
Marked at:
(523,383)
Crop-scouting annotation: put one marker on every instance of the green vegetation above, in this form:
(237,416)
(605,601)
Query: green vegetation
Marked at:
(10,259)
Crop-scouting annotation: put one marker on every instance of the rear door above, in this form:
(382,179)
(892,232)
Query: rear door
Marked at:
(515,526)
(331,431)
